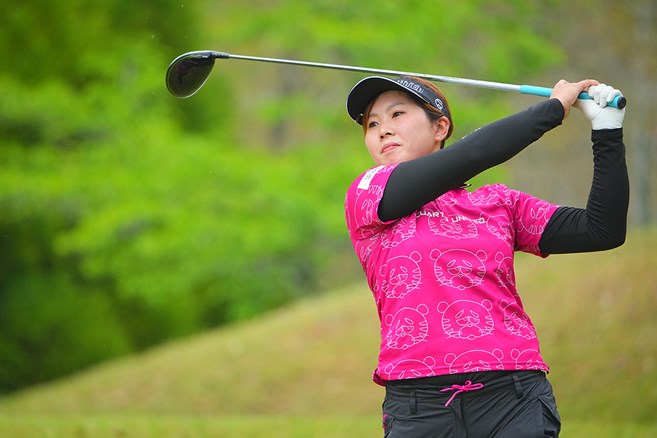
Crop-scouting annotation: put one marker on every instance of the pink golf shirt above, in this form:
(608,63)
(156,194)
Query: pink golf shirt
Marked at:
(443,278)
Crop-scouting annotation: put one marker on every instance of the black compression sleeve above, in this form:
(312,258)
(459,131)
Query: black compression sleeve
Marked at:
(602,225)
(414,183)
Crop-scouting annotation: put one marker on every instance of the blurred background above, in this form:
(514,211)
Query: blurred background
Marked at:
(130,218)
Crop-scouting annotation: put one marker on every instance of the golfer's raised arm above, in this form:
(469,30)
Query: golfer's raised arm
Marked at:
(414,183)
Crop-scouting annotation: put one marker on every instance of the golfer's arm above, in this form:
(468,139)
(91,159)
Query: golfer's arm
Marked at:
(414,183)
(603,223)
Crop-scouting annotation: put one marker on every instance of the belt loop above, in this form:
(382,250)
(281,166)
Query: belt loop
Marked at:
(518,386)
(413,403)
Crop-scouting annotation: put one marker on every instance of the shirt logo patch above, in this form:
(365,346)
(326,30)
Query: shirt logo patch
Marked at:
(364,183)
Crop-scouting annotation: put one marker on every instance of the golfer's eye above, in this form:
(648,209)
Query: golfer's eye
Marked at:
(397,113)
(372,124)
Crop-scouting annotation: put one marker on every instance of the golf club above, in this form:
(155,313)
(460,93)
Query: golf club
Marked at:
(188,72)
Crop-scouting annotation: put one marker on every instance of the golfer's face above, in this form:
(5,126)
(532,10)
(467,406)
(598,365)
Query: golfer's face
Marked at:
(398,130)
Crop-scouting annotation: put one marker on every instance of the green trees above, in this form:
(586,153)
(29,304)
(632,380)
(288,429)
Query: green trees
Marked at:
(127,216)
(80,90)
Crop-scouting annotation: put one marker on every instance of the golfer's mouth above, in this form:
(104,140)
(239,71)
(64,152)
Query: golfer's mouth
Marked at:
(389,147)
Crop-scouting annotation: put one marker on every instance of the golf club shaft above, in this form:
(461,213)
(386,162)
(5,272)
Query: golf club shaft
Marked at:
(447,79)
(618,102)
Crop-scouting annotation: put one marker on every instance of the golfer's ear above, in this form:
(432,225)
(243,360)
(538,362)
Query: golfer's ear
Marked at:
(442,128)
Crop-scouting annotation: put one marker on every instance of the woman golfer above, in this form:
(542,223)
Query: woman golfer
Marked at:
(459,356)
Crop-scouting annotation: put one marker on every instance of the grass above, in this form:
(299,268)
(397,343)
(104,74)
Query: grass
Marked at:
(178,426)
(305,370)
(193,427)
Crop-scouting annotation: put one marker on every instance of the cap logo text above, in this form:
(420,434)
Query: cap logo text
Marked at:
(410,85)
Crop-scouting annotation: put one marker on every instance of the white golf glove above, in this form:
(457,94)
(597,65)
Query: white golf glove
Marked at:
(596,110)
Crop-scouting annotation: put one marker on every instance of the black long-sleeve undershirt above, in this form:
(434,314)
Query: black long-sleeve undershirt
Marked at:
(601,225)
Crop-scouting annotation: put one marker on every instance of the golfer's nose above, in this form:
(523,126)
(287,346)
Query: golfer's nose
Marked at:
(385,130)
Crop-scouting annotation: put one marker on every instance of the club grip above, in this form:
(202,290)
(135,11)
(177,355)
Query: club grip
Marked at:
(619,101)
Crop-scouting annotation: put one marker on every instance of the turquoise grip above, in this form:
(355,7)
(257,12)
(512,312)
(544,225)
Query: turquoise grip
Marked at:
(618,102)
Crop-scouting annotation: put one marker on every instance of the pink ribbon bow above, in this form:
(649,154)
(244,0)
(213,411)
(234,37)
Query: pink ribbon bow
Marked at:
(469,386)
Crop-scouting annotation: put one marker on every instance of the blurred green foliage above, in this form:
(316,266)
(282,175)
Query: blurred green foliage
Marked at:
(129,217)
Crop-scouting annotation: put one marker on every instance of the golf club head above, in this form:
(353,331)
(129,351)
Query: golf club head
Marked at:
(188,72)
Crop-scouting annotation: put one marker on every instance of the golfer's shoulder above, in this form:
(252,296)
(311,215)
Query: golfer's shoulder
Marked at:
(372,177)
(498,189)
(494,194)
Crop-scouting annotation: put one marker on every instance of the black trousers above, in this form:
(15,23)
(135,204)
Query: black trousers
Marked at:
(497,404)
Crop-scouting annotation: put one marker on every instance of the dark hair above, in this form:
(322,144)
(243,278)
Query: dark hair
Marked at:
(431,111)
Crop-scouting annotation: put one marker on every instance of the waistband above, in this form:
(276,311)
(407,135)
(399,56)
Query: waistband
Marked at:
(485,381)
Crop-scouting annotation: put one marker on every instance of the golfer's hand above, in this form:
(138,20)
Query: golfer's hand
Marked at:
(596,110)
(567,92)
